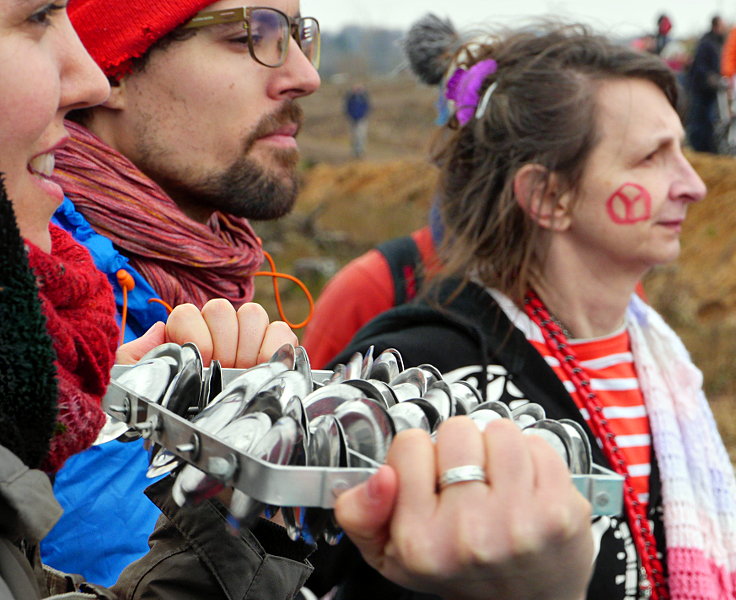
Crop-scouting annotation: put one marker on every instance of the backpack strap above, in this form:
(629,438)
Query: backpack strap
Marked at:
(406,266)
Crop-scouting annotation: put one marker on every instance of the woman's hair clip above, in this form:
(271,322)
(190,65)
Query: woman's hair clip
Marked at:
(464,89)
(480,111)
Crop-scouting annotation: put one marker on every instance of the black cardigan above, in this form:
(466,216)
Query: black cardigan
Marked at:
(457,327)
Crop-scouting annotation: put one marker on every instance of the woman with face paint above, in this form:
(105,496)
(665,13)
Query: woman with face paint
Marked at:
(563,181)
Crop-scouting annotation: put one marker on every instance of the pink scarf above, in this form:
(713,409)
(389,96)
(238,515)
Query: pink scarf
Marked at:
(184,261)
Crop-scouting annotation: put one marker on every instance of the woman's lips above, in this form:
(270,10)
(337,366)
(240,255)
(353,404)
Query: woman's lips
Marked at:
(41,167)
(674,224)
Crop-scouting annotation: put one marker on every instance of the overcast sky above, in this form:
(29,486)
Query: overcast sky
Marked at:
(619,17)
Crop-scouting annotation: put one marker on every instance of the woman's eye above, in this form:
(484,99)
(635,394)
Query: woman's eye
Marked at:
(243,39)
(45,14)
(650,156)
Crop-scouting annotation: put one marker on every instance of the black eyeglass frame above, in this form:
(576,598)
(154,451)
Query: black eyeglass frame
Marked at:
(243,14)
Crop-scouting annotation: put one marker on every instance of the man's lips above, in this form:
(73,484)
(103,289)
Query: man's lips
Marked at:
(289,130)
(283,136)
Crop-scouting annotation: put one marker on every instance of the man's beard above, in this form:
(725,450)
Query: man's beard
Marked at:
(248,188)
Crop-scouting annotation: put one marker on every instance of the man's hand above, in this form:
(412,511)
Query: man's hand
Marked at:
(525,534)
(239,339)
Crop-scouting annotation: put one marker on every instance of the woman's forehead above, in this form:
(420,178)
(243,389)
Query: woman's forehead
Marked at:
(630,111)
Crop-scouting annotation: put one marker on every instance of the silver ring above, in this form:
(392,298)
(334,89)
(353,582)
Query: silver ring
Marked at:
(462,474)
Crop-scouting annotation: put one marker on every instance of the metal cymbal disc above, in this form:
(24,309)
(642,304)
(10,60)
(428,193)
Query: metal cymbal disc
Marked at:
(277,446)
(244,433)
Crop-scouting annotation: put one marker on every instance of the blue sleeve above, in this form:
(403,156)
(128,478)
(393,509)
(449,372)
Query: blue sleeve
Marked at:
(141,314)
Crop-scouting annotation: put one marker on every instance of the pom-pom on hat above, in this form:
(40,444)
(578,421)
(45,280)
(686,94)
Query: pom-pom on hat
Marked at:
(429,45)
(116,31)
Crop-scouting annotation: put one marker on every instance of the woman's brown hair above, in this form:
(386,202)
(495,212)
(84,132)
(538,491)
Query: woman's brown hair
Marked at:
(542,112)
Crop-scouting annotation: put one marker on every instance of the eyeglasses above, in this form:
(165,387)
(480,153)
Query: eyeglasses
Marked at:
(268,31)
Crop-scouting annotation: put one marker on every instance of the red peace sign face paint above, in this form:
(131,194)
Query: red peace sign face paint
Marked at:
(630,204)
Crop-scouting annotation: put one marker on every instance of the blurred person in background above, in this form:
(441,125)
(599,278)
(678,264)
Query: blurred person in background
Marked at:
(728,56)
(728,71)
(662,37)
(703,83)
(677,57)
(357,109)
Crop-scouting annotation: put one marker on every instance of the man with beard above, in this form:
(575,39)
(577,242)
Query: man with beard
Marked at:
(197,136)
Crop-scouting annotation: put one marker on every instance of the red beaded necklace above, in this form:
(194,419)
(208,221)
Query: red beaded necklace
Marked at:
(654,583)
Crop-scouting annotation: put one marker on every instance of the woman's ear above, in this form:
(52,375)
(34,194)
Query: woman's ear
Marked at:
(537,190)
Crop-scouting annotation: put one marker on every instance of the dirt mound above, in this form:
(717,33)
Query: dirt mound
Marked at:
(370,201)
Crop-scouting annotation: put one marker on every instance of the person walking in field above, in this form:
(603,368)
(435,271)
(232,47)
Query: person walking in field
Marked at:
(357,108)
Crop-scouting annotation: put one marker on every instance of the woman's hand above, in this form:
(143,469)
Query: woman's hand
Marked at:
(238,339)
(525,534)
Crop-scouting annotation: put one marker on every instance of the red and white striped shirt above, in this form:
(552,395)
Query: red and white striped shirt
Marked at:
(609,365)
(610,368)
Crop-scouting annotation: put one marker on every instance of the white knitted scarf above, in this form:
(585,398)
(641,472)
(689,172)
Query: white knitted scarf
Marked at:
(698,486)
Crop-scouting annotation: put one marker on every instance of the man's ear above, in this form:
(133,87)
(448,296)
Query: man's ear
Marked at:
(116,99)
(537,191)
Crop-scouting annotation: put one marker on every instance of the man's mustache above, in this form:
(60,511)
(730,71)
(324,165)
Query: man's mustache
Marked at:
(289,113)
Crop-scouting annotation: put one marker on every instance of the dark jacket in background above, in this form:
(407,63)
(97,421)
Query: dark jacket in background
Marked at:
(705,71)
(703,82)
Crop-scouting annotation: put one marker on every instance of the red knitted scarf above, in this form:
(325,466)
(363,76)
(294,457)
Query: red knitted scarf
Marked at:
(184,261)
(80,312)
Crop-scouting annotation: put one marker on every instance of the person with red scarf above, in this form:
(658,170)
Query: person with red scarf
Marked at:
(58,335)
(160,180)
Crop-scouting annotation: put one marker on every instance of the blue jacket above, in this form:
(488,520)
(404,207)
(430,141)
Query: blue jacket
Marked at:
(142,314)
(107,518)
(357,105)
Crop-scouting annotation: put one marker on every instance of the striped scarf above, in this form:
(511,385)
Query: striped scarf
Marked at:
(698,487)
(184,261)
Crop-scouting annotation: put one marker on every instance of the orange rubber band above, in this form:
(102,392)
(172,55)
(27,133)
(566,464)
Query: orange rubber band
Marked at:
(127,283)
(164,304)
(277,294)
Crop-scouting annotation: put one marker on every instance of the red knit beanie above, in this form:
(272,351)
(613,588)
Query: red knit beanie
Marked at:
(115,31)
